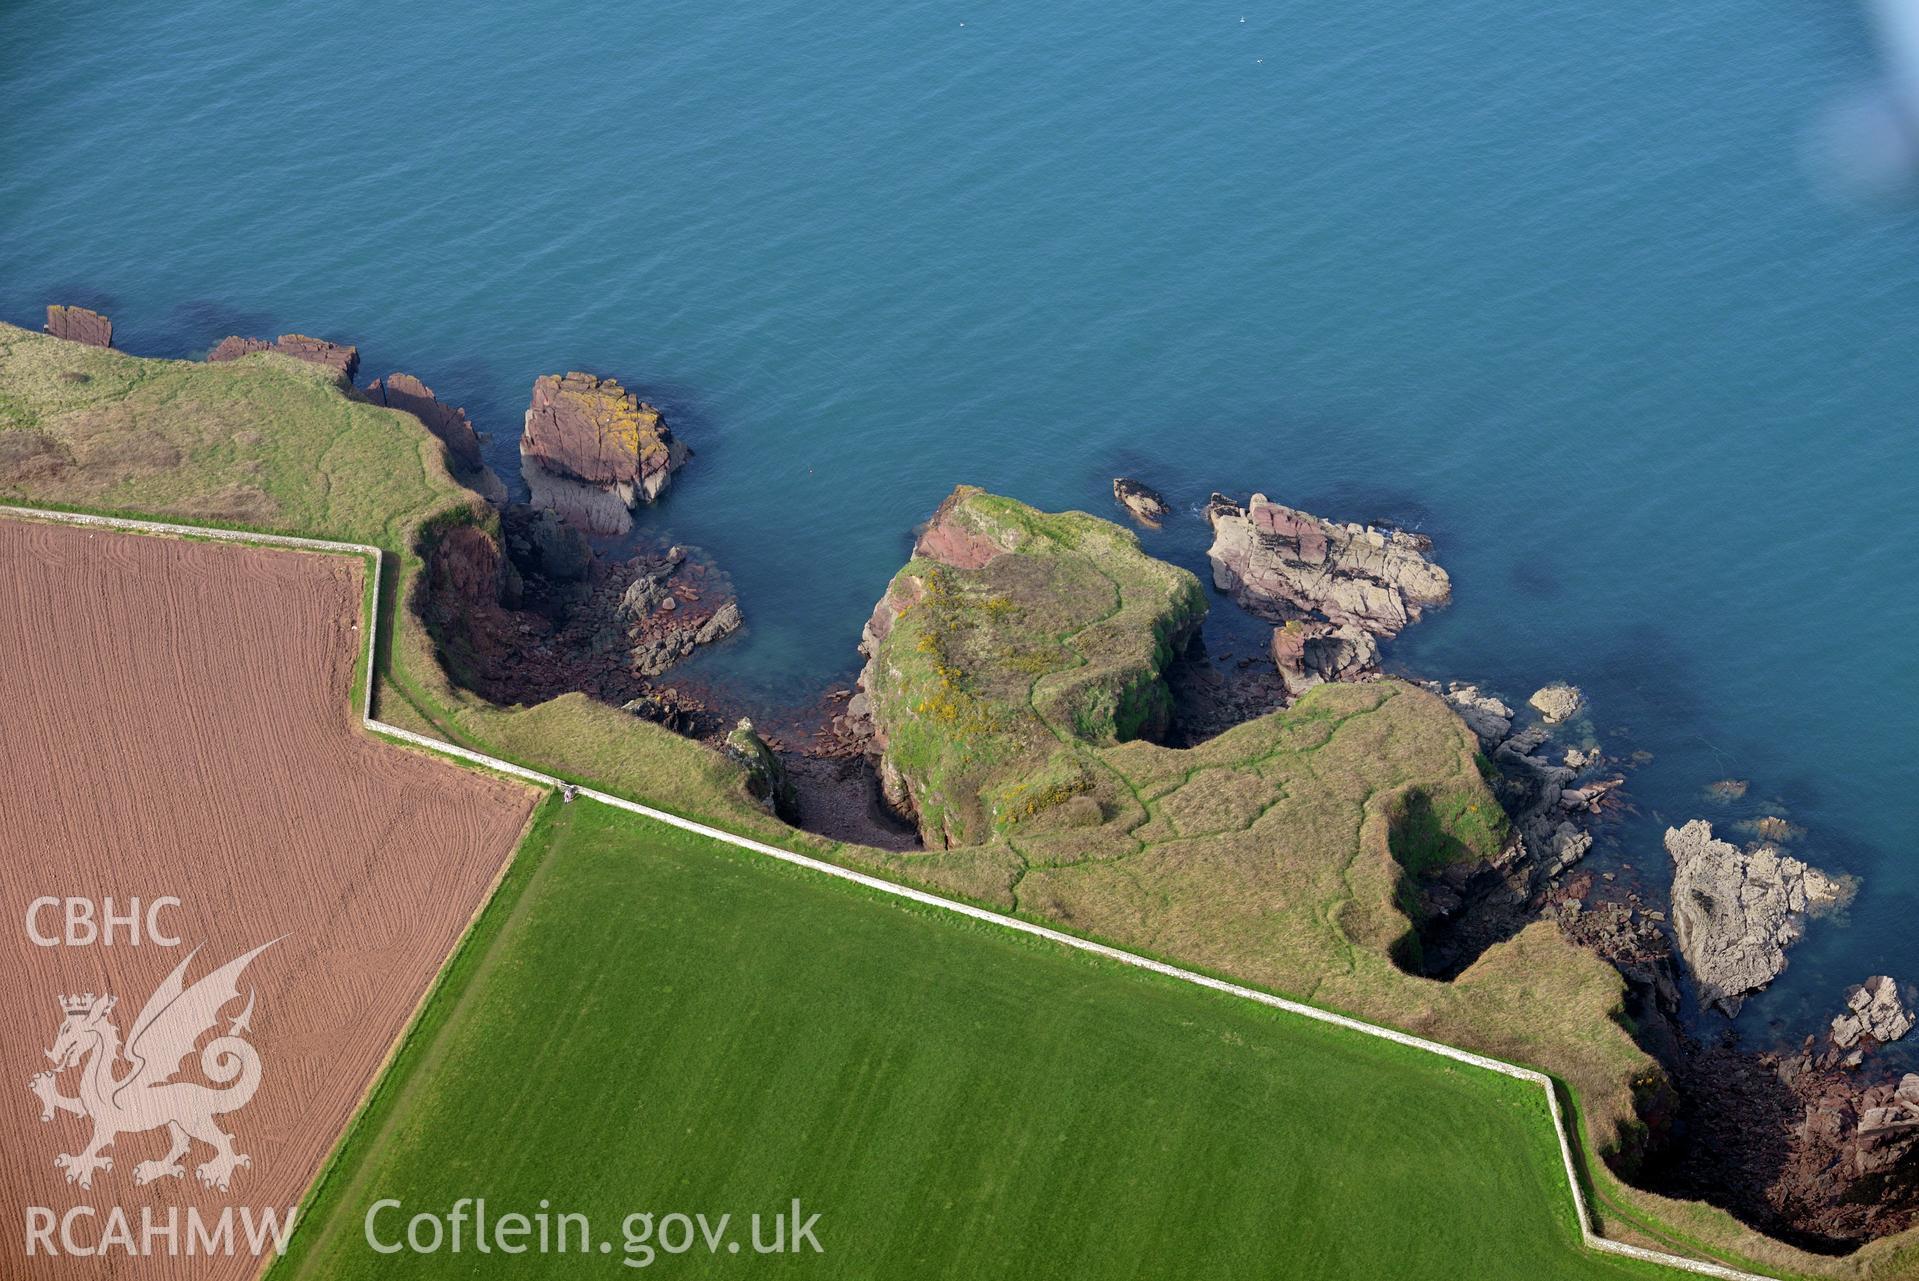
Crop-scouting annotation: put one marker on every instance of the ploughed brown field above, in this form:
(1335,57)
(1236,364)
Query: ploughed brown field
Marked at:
(178,718)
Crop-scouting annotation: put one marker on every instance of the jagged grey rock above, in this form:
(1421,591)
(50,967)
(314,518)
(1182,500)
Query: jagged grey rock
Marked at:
(1872,1009)
(1282,564)
(1735,912)
(1490,719)
(1313,653)
(726,620)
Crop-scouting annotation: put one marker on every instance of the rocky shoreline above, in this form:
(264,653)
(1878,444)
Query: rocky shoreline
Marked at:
(534,611)
(1812,1145)
(1808,1146)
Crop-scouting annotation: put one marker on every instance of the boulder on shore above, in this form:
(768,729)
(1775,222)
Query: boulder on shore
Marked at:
(1736,911)
(1851,1135)
(1141,502)
(1282,564)
(1872,1009)
(78,324)
(591,433)
(344,361)
(1888,1125)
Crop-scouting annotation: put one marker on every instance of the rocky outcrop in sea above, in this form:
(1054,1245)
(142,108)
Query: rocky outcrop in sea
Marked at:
(1141,502)
(1554,795)
(1736,911)
(662,632)
(1557,702)
(78,324)
(593,451)
(1311,652)
(1486,715)
(1335,590)
(1546,798)
(1283,564)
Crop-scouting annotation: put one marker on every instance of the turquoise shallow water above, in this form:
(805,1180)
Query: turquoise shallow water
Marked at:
(1549,283)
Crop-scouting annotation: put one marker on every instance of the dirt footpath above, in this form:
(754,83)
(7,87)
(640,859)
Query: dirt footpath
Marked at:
(177,720)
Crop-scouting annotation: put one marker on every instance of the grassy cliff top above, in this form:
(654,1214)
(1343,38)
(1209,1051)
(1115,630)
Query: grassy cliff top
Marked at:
(1016,662)
(268,442)
(1017,669)
(1020,643)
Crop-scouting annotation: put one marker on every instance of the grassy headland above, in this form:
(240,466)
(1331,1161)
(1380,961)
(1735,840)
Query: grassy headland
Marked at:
(1018,655)
(1008,695)
(1275,853)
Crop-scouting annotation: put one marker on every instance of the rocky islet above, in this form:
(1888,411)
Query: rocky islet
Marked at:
(1283,564)
(594,451)
(1873,1009)
(1140,501)
(1736,911)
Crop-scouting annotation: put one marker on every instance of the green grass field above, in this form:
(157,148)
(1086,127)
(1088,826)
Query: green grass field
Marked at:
(648,1021)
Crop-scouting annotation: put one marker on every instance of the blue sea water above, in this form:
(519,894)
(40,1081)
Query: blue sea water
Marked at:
(1550,283)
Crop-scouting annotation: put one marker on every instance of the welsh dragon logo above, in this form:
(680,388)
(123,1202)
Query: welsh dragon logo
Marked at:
(129,1089)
